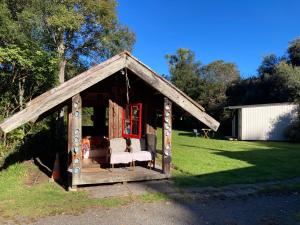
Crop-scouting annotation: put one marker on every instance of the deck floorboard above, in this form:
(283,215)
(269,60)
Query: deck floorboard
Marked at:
(116,175)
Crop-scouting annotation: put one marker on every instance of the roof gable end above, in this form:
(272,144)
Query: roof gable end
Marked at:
(81,82)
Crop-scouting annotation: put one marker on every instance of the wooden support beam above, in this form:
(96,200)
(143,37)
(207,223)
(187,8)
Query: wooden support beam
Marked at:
(167,137)
(150,126)
(75,137)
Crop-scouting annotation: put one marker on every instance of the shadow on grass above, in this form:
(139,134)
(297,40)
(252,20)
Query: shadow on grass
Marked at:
(42,149)
(276,161)
(273,163)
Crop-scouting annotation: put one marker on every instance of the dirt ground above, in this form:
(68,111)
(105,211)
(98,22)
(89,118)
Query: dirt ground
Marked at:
(271,209)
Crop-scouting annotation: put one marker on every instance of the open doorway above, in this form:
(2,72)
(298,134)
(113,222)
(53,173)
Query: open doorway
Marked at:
(95,146)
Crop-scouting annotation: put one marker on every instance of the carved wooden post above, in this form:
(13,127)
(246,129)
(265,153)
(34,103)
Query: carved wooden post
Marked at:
(167,136)
(75,137)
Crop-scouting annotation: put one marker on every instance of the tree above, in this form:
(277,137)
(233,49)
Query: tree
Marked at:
(217,76)
(220,72)
(25,72)
(205,84)
(41,38)
(185,72)
(26,68)
(268,65)
(294,52)
(82,32)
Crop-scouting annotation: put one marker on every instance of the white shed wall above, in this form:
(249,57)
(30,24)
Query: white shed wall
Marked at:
(266,122)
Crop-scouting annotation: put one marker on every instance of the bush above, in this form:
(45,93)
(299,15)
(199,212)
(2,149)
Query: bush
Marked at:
(293,131)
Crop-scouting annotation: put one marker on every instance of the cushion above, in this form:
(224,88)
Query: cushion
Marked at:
(138,145)
(120,157)
(117,145)
(141,156)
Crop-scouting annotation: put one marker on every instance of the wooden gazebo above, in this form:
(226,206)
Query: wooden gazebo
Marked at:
(124,97)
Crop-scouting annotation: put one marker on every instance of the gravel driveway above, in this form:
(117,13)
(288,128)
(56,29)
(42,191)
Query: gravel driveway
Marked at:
(258,209)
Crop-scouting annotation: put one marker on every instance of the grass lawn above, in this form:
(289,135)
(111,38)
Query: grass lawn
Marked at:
(197,162)
(22,200)
(210,162)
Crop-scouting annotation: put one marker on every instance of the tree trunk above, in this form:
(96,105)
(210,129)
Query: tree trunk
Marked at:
(21,92)
(60,129)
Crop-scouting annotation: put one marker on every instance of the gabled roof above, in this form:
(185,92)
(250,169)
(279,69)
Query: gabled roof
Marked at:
(81,82)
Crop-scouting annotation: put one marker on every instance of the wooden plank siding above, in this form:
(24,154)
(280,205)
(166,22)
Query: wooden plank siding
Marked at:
(115,120)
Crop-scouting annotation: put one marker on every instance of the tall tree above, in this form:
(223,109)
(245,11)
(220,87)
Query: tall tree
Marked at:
(217,76)
(81,32)
(77,33)
(185,72)
(294,52)
(24,73)
(268,65)
(26,68)
(220,72)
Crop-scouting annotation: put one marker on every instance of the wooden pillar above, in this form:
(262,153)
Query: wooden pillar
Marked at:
(167,137)
(75,137)
(70,118)
(150,127)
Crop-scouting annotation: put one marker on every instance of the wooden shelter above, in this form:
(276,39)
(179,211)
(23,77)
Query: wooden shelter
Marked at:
(122,98)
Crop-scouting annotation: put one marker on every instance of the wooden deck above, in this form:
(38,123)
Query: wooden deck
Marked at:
(116,175)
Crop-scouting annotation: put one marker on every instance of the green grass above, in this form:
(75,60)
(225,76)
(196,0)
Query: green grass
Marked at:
(33,201)
(21,202)
(211,162)
(151,197)
(197,162)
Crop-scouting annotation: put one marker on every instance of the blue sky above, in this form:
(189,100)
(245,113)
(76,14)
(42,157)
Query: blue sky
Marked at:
(235,31)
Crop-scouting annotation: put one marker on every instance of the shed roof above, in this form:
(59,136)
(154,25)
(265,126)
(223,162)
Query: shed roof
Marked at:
(81,82)
(259,105)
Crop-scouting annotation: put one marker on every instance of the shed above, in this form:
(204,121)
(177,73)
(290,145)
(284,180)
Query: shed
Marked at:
(266,122)
(124,97)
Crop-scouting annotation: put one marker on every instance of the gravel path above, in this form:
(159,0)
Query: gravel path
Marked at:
(257,209)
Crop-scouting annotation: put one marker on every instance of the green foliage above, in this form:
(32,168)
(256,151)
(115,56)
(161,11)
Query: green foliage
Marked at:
(27,71)
(185,72)
(40,39)
(218,76)
(205,84)
(82,32)
(294,52)
(268,65)
(293,133)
